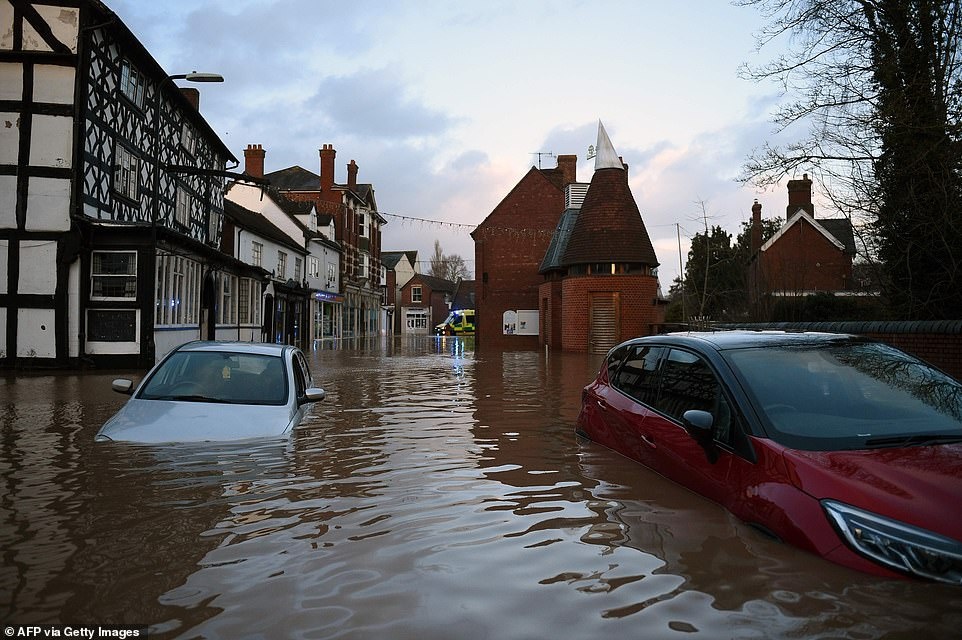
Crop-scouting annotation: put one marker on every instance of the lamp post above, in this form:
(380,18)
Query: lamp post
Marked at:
(193,76)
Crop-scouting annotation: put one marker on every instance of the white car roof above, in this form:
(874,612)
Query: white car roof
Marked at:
(259,348)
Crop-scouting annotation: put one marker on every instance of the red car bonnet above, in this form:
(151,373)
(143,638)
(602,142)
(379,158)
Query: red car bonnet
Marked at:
(919,485)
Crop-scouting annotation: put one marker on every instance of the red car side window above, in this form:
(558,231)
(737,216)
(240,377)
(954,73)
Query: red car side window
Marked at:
(638,376)
(687,382)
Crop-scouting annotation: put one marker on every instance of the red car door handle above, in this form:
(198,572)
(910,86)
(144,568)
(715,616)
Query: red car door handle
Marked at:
(647,440)
(602,405)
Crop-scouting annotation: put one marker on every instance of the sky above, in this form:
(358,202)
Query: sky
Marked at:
(445,105)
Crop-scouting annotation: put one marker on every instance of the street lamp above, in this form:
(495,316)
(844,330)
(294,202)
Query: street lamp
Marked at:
(193,76)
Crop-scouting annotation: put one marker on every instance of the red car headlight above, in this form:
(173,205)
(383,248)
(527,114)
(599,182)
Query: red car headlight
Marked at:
(897,545)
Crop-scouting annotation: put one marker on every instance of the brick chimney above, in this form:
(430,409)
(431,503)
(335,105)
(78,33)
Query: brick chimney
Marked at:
(192,95)
(327,167)
(352,175)
(756,227)
(800,196)
(569,169)
(254,160)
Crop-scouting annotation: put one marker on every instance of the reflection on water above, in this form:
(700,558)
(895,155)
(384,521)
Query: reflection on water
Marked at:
(436,493)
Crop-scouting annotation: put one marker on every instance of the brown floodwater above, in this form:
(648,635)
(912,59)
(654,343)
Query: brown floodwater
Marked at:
(436,493)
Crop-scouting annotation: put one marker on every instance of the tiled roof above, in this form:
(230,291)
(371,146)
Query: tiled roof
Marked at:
(258,224)
(559,241)
(841,230)
(463,295)
(609,227)
(436,284)
(390,258)
(294,179)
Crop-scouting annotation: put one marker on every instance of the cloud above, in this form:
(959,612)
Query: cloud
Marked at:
(376,103)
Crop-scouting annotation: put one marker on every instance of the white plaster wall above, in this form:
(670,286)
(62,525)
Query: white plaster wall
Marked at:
(53,84)
(63,22)
(4,255)
(11,81)
(403,272)
(73,310)
(38,267)
(36,337)
(8,202)
(6,25)
(243,334)
(9,136)
(249,197)
(48,205)
(51,141)
(164,341)
(3,332)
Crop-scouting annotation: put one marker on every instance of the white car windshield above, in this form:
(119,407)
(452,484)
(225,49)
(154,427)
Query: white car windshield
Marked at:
(217,376)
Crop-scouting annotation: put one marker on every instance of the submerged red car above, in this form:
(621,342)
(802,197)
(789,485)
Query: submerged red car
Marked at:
(845,447)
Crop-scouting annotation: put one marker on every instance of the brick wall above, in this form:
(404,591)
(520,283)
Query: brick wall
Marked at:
(805,260)
(638,313)
(509,247)
(551,314)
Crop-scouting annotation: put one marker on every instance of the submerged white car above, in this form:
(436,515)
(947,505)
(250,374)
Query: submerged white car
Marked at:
(215,391)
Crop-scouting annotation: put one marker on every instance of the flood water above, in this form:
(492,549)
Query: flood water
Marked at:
(436,493)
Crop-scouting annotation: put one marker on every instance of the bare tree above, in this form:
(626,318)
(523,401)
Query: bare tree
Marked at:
(450,267)
(875,98)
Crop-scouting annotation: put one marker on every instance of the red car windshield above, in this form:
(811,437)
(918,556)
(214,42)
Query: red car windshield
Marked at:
(849,396)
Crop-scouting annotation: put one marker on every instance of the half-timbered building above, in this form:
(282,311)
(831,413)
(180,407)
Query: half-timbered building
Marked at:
(111,194)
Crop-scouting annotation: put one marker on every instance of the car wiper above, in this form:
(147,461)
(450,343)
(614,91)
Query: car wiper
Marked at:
(915,440)
(190,398)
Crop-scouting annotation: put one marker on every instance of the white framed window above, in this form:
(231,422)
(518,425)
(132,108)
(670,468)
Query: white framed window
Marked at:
(126,173)
(132,83)
(362,223)
(112,331)
(228,309)
(416,293)
(113,275)
(257,253)
(182,212)
(362,265)
(243,301)
(331,273)
(188,138)
(383,275)
(213,227)
(178,290)
(313,267)
(297,268)
(281,265)
(416,319)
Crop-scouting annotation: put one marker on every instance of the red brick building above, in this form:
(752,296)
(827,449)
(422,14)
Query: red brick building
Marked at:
(600,285)
(509,246)
(357,227)
(806,255)
(425,302)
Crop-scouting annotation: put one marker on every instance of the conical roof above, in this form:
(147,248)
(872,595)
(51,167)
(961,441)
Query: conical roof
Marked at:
(609,227)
